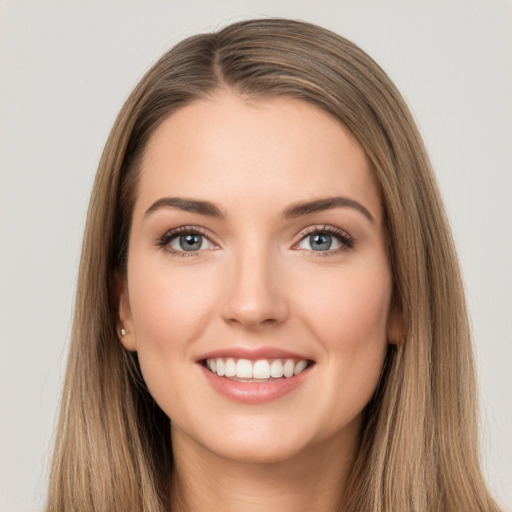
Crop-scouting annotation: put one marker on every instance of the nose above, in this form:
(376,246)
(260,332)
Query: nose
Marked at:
(255,295)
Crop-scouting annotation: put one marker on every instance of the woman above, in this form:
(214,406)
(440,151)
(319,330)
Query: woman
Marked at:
(269,310)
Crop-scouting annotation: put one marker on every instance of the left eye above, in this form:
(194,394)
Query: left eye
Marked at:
(190,242)
(321,241)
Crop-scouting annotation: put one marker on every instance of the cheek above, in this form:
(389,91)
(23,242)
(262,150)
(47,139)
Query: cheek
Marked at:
(169,311)
(350,312)
(350,322)
(169,308)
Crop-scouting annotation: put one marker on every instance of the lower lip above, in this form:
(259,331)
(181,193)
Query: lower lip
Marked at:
(254,392)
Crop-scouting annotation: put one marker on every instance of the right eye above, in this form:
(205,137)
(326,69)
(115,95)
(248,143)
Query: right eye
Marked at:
(190,242)
(185,241)
(320,242)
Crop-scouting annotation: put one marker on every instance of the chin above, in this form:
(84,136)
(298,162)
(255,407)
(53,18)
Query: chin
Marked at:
(260,452)
(267,440)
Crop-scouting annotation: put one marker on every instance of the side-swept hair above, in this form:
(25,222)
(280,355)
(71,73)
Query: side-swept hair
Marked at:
(418,446)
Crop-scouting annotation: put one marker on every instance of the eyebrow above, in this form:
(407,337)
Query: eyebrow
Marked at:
(320,205)
(187,205)
(297,210)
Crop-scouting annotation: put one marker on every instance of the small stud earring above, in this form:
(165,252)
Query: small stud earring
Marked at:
(124,332)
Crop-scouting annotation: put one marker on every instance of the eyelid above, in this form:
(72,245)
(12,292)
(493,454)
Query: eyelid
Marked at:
(346,239)
(163,242)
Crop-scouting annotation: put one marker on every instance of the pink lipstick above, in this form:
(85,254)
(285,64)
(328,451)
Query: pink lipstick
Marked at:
(254,375)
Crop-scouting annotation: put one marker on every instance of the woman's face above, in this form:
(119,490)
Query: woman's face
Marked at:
(258,283)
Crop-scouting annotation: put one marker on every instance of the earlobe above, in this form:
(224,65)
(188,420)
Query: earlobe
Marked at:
(124,325)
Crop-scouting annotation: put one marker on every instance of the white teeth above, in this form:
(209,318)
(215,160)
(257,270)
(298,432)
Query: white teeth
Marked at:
(244,369)
(230,368)
(261,369)
(299,367)
(289,366)
(276,369)
(220,367)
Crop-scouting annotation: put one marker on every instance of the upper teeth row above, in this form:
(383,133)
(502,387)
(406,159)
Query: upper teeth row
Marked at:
(260,369)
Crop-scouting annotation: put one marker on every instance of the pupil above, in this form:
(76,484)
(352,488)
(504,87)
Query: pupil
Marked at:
(190,242)
(320,242)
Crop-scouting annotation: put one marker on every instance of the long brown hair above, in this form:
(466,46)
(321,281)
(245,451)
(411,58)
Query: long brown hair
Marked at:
(418,445)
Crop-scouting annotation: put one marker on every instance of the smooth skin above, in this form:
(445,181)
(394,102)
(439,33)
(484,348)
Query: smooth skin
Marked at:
(256,276)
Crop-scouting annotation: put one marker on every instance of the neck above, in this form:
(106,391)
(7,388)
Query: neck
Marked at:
(311,481)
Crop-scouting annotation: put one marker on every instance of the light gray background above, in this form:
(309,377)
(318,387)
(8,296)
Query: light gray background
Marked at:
(65,69)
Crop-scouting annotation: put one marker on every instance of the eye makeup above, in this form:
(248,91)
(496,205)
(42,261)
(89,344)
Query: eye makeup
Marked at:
(319,240)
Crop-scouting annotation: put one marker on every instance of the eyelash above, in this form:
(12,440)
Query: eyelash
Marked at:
(346,240)
(164,241)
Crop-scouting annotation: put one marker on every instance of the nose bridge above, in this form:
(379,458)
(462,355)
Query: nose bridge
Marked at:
(254,295)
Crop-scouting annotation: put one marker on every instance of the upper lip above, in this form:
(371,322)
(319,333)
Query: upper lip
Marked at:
(253,353)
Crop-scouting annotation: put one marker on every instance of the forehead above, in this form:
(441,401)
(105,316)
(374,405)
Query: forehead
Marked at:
(280,150)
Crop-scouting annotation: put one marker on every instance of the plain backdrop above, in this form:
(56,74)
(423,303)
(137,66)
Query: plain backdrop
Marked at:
(66,68)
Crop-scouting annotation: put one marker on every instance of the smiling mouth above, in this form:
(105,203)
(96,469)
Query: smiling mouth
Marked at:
(257,371)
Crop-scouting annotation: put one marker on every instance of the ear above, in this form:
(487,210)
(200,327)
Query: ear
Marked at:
(124,323)
(396,330)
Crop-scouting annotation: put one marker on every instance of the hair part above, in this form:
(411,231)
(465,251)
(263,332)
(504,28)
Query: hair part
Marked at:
(418,444)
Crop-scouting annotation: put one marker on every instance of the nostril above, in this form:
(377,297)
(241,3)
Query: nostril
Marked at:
(265,313)
(252,322)
(253,296)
